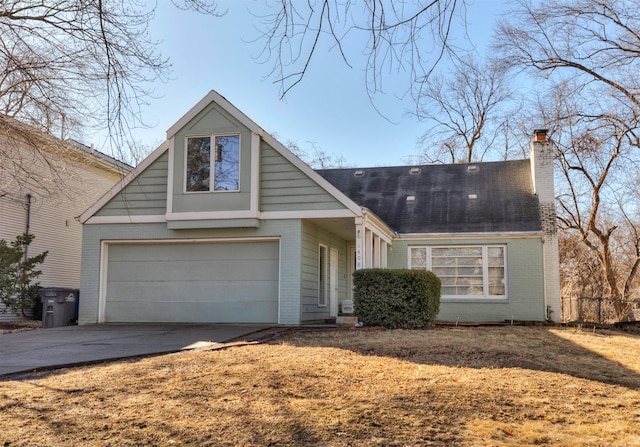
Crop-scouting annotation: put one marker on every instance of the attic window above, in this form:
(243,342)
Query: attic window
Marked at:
(358,173)
(411,199)
(473,196)
(414,171)
(472,168)
(212,163)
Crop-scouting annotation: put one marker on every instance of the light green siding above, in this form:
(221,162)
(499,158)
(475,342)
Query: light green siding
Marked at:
(284,187)
(525,281)
(213,120)
(145,195)
(312,235)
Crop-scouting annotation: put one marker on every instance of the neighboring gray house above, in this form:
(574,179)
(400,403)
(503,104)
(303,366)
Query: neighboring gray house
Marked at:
(223,224)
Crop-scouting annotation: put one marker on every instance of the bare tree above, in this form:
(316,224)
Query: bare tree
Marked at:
(597,201)
(594,42)
(467,111)
(315,156)
(587,54)
(69,64)
(408,37)
(580,270)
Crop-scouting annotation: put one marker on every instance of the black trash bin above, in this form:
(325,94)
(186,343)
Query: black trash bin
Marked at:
(59,306)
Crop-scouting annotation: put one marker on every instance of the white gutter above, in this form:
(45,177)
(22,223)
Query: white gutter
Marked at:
(502,235)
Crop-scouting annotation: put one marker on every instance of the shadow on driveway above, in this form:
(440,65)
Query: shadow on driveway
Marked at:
(77,345)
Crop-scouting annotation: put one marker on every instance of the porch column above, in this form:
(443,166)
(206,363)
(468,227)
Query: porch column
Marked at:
(376,251)
(383,253)
(359,246)
(368,248)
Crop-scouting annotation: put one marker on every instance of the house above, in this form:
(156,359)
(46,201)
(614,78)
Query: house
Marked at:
(45,184)
(223,224)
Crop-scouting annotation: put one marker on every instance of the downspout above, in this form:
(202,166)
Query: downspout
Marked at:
(28,226)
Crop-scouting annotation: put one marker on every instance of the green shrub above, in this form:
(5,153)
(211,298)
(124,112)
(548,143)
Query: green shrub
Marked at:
(18,291)
(396,298)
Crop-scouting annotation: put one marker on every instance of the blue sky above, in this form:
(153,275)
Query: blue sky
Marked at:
(330,107)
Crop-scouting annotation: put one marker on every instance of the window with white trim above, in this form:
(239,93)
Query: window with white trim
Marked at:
(323,277)
(465,271)
(213,167)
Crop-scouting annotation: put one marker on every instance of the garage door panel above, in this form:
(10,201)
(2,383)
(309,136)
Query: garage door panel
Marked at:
(193,282)
(256,312)
(196,251)
(193,270)
(188,291)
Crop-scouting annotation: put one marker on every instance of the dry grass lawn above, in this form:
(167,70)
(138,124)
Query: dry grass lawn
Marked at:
(507,386)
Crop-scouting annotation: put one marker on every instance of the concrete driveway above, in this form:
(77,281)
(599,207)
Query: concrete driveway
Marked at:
(76,345)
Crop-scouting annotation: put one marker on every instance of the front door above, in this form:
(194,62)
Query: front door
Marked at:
(333,282)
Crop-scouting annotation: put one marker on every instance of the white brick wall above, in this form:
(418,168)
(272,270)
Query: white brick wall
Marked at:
(542,169)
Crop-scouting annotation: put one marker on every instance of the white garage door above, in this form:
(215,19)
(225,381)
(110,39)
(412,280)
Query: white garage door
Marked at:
(218,282)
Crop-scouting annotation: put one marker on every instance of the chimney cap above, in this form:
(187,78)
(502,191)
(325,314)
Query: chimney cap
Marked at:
(540,134)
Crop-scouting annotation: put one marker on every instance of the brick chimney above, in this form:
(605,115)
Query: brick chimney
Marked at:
(542,167)
(542,177)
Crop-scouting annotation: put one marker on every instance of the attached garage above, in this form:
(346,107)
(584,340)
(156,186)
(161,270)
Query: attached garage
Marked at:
(191,282)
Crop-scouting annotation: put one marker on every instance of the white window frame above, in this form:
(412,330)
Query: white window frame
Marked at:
(212,170)
(485,268)
(323,276)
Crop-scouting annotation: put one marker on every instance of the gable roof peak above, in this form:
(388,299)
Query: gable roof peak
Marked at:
(214,97)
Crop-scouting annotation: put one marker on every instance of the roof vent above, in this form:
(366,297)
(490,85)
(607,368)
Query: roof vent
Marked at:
(411,199)
(472,168)
(414,171)
(358,173)
(473,196)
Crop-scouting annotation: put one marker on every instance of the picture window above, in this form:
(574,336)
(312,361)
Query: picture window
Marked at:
(465,271)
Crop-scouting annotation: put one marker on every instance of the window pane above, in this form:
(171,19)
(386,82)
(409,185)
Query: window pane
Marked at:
(227,170)
(450,262)
(447,290)
(461,280)
(495,252)
(496,256)
(460,290)
(457,251)
(419,258)
(496,281)
(198,163)
(457,271)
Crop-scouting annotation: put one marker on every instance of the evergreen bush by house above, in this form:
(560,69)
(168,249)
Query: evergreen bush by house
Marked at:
(396,298)
(18,290)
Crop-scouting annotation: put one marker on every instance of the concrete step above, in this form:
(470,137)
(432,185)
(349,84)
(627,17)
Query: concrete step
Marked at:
(346,321)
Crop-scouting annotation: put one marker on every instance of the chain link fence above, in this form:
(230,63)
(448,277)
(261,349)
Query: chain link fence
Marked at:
(599,310)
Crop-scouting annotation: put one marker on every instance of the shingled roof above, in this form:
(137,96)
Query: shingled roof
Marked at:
(458,198)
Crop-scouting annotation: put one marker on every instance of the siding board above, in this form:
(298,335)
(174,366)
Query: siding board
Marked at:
(284,187)
(145,195)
